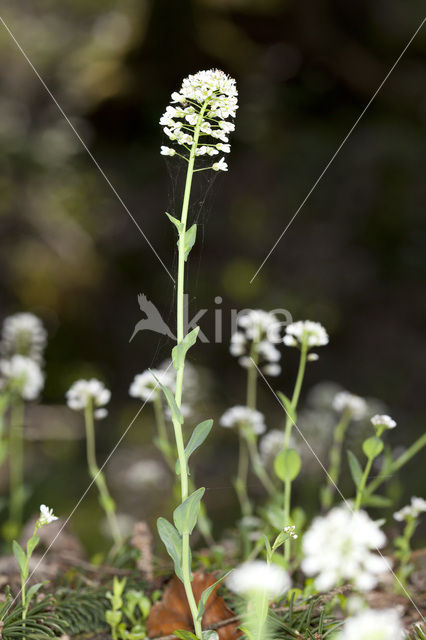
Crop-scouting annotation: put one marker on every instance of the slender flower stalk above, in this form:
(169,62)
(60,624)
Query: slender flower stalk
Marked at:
(16,467)
(107,503)
(410,515)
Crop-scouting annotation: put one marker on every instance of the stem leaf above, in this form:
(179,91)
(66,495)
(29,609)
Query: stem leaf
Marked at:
(185,635)
(206,594)
(21,559)
(185,516)
(376,501)
(176,222)
(287,465)
(173,543)
(372,447)
(189,241)
(286,402)
(176,412)
(355,468)
(179,351)
(199,434)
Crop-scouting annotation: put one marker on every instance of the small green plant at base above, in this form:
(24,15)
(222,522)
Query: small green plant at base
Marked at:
(410,515)
(128,613)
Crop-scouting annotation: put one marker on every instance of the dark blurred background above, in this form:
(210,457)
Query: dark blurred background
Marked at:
(353,258)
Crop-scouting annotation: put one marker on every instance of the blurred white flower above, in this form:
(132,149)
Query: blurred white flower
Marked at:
(206,99)
(23,375)
(355,405)
(23,334)
(412,510)
(258,576)
(167,151)
(46,515)
(240,416)
(260,330)
(383,421)
(373,625)
(313,332)
(271,444)
(144,473)
(145,383)
(82,392)
(338,548)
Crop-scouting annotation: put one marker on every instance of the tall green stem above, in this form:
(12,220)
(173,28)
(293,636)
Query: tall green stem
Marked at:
(186,569)
(163,437)
(16,465)
(335,459)
(242,473)
(98,477)
(361,488)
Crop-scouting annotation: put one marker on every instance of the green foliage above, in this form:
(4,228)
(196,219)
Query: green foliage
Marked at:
(185,516)
(355,469)
(175,221)
(305,619)
(128,614)
(180,350)
(287,465)
(288,407)
(41,620)
(197,438)
(205,595)
(190,236)
(175,411)
(372,447)
(173,543)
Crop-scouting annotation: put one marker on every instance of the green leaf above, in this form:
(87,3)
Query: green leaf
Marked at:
(31,545)
(372,447)
(286,402)
(179,351)
(197,438)
(376,501)
(186,514)
(206,594)
(34,589)
(175,221)
(287,465)
(173,543)
(21,559)
(355,468)
(176,413)
(190,236)
(267,547)
(185,635)
(210,635)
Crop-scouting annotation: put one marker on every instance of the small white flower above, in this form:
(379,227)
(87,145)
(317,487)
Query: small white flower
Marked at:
(305,330)
(144,383)
(263,328)
(167,151)
(220,166)
(338,548)
(238,344)
(259,577)
(226,148)
(373,625)
(355,405)
(82,392)
(23,375)
(413,510)
(46,515)
(23,334)
(145,473)
(241,416)
(383,421)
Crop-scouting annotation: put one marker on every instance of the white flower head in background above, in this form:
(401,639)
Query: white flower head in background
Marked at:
(23,334)
(145,473)
(312,333)
(383,422)
(271,443)
(338,548)
(202,107)
(82,392)
(145,385)
(245,418)
(257,334)
(344,401)
(23,376)
(412,510)
(372,625)
(46,516)
(259,577)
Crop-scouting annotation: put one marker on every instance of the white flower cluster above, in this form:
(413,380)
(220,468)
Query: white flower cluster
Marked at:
(372,625)
(23,376)
(23,341)
(23,334)
(46,516)
(82,392)
(338,548)
(258,576)
(412,510)
(260,330)
(348,402)
(240,416)
(202,107)
(383,421)
(145,473)
(305,330)
(145,383)
(290,529)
